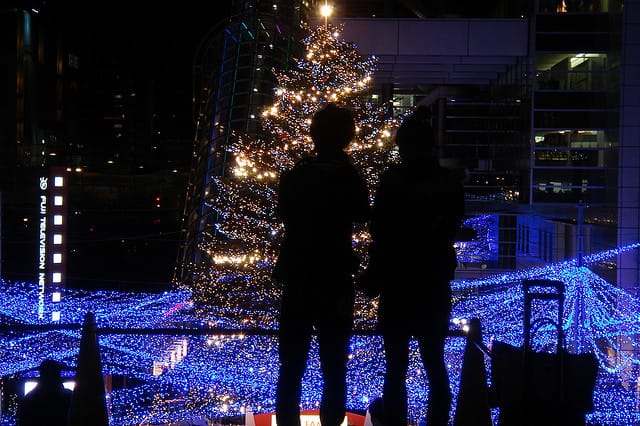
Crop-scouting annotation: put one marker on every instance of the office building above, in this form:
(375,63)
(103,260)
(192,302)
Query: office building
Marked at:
(535,100)
(73,98)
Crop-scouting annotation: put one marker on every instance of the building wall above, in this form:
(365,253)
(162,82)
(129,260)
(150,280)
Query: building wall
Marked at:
(233,80)
(584,107)
(629,169)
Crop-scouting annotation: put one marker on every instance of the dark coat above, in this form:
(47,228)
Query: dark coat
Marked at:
(46,404)
(319,200)
(417,212)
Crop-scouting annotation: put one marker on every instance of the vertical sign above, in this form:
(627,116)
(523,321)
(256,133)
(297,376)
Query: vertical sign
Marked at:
(42,245)
(52,242)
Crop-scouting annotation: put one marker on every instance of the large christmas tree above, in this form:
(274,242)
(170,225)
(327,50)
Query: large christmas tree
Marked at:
(235,280)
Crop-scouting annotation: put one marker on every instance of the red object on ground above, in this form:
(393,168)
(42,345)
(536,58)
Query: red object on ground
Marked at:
(264,419)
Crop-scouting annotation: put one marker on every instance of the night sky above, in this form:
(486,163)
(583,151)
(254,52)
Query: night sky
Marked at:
(155,40)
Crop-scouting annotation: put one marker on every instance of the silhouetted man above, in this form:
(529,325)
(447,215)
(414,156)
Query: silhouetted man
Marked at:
(417,211)
(319,199)
(48,403)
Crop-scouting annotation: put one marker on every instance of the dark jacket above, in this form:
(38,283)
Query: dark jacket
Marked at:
(46,404)
(319,200)
(417,212)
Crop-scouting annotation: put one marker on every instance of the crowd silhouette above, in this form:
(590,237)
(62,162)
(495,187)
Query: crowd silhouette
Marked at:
(418,210)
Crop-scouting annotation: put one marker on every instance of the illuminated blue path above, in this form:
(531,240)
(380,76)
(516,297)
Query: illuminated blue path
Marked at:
(223,375)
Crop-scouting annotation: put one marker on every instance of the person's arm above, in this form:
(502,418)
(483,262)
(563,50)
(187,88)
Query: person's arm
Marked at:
(370,280)
(361,205)
(382,206)
(283,199)
(454,208)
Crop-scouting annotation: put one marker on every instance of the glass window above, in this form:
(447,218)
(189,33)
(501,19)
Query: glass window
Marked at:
(574,196)
(561,7)
(569,177)
(567,42)
(575,71)
(588,119)
(576,138)
(569,157)
(573,100)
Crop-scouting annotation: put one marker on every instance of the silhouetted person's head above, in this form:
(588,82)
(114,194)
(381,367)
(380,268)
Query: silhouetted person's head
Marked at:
(332,128)
(50,373)
(415,137)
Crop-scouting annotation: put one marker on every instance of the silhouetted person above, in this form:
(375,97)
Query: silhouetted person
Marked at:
(418,208)
(48,403)
(319,200)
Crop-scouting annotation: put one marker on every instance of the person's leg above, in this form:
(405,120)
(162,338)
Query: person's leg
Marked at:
(394,398)
(293,348)
(334,352)
(432,351)
(334,334)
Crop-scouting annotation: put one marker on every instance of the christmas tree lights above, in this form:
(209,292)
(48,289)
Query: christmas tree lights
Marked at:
(241,248)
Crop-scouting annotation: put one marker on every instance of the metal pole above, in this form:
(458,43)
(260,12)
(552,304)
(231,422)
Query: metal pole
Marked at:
(0,235)
(580,232)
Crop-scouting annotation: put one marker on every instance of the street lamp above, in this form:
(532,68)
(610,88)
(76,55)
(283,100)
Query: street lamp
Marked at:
(326,10)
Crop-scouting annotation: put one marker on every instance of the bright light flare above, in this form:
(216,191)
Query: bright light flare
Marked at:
(326,10)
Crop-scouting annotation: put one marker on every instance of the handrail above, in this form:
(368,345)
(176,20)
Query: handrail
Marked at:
(175,331)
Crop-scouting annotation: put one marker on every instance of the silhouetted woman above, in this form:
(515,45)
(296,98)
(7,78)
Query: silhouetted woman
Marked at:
(417,211)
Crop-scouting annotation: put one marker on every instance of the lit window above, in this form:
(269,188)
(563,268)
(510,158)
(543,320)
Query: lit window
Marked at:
(58,181)
(56,296)
(57,239)
(57,258)
(57,219)
(55,316)
(57,200)
(57,277)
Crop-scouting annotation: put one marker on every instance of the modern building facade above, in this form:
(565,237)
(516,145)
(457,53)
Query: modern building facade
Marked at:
(536,100)
(538,109)
(232,81)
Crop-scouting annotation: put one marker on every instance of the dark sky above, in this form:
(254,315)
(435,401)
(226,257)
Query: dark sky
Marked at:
(157,40)
(138,27)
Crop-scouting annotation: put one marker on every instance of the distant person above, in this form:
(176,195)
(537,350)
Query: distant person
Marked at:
(418,209)
(48,403)
(319,199)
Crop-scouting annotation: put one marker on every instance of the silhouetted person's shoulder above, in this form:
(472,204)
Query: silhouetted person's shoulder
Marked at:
(316,169)
(48,403)
(418,191)
(45,407)
(321,185)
